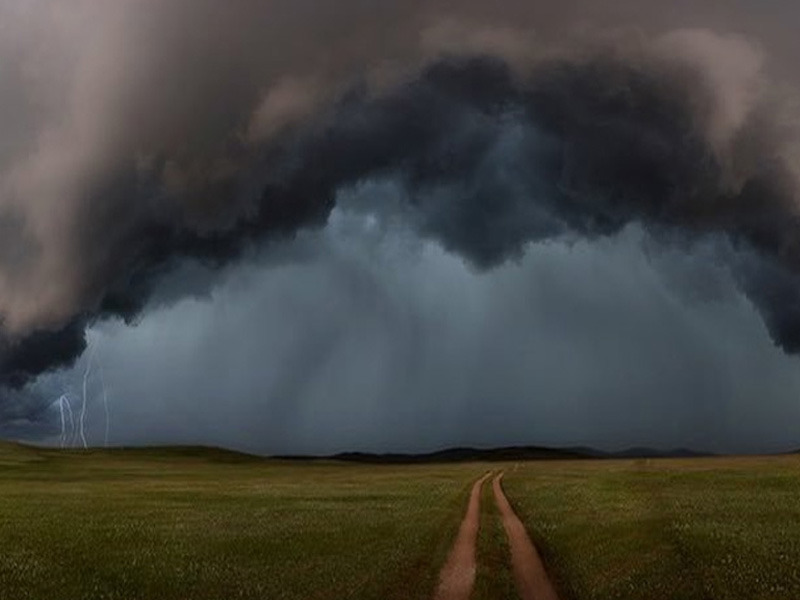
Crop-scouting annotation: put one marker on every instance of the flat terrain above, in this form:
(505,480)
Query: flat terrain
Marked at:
(532,581)
(168,524)
(702,528)
(457,576)
(203,524)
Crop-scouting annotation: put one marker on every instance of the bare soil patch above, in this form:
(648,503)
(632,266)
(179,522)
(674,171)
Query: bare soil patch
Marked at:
(529,572)
(458,574)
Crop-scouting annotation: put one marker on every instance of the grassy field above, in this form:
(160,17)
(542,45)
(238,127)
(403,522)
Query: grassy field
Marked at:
(494,579)
(169,524)
(717,528)
(172,524)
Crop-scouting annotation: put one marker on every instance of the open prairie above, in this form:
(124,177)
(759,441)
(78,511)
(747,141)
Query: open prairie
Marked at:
(306,227)
(190,523)
(166,524)
(721,528)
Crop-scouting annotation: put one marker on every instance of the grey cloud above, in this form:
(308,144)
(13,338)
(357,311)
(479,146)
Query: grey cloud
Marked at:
(186,131)
(381,342)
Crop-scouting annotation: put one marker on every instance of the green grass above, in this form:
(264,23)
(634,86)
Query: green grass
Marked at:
(720,528)
(204,524)
(188,524)
(494,579)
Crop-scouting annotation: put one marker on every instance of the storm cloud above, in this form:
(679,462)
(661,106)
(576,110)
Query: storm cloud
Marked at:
(143,137)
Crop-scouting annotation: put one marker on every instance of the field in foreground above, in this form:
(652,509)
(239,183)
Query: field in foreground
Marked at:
(168,524)
(702,528)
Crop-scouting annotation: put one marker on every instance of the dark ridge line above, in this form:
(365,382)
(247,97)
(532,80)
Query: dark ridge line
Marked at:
(501,454)
(447,455)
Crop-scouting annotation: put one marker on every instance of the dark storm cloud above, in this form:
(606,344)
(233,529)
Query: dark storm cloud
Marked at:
(489,163)
(189,131)
(369,339)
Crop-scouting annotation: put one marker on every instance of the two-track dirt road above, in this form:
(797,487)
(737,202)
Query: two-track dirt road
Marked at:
(529,573)
(458,574)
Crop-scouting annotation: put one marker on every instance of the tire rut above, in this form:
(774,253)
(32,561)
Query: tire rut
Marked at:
(457,577)
(531,578)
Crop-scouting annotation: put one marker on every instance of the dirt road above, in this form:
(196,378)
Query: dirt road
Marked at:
(458,574)
(531,578)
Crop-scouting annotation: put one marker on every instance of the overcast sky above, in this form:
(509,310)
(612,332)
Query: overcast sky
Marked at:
(358,337)
(284,227)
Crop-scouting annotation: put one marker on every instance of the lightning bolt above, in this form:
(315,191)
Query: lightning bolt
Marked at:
(86,373)
(73,429)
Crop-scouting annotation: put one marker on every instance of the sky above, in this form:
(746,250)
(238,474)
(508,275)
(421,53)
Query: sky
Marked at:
(300,227)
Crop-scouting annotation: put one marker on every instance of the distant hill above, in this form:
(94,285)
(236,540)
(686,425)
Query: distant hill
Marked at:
(208,453)
(16,451)
(465,455)
(512,453)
